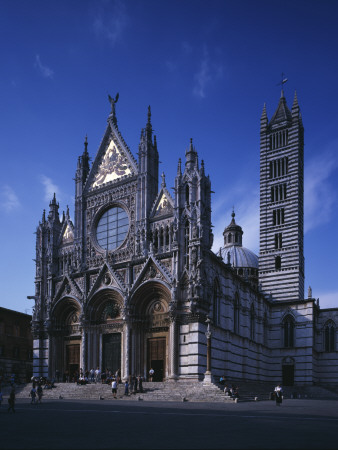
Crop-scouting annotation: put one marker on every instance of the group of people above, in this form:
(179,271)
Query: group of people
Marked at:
(231,391)
(36,392)
(131,386)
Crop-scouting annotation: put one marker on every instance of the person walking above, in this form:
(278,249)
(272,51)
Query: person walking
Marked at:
(33,395)
(11,401)
(39,392)
(126,388)
(279,395)
(114,387)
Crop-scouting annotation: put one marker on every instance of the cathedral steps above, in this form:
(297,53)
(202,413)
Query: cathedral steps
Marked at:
(176,391)
(159,391)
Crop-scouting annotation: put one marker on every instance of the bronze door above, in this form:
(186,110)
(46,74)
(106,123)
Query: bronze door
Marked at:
(73,359)
(156,357)
(111,357)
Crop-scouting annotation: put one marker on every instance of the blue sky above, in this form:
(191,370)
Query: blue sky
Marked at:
(205,67)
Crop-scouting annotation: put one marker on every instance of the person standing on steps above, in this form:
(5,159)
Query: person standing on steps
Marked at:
(126,388)
(279,395)
(151,374)
(114,387)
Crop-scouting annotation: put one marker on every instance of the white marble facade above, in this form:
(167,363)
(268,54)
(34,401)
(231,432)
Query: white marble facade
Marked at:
(130,284)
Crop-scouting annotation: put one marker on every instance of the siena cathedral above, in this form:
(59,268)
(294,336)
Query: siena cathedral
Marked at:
(133,284)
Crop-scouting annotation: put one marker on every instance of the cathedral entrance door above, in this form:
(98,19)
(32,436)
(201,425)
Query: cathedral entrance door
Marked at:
(73,359)
(111,356)
(288,371)
(156,357)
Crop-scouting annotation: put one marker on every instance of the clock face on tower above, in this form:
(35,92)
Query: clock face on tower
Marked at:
(112,228)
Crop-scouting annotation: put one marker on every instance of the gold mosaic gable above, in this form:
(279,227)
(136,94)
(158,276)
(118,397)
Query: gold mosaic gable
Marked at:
(114,165)
(68,235)
(163,206)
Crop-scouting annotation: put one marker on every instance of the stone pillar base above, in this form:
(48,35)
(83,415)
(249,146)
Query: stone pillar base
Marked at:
(208,378)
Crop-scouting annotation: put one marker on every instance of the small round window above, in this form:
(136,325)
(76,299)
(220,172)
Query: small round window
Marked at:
(112,228)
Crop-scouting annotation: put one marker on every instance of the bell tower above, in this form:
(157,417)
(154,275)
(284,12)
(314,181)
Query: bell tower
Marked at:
(281,256)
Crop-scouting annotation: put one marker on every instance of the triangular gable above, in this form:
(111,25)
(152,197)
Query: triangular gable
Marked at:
(67,232)
(107,277)
(68,287)
(113,160)
(163,205)
(152,271)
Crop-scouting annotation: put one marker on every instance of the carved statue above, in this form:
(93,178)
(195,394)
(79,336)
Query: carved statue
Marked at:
(309,292)
(112,101)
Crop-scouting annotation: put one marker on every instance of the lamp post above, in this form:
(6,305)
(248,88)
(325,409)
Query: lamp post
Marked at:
(207,375)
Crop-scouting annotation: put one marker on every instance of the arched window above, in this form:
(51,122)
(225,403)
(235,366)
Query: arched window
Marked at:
(289,331)
(252,322)
(186,243)
(329,336)
(229,238)
(216,304)
(187,194)
(236,313)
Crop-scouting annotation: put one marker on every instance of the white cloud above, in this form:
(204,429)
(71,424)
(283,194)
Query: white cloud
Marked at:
(9,200)
(50,188)
(111,23)
(208,72)
(45,71)
(246,205)
(319,194)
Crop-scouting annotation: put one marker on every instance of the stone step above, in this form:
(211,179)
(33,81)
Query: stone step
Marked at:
(170,391)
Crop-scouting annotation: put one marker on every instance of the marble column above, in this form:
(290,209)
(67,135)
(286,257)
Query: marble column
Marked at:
(126,346)
(173,350)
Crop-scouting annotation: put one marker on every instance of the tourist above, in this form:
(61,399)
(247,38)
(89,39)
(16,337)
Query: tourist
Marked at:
(57,375)
(92,375)
(140,387)
(39,392)
(11,401)
(222,379)
(278,395)
(114,388)
(97,375)
(151,374)
(126,388)
(33,395)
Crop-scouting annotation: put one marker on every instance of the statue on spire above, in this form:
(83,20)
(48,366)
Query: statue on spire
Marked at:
(112,102)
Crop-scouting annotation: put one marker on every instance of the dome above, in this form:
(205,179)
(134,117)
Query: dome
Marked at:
(240,257)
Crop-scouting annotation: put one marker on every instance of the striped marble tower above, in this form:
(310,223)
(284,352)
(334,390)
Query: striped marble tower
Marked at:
(281,260)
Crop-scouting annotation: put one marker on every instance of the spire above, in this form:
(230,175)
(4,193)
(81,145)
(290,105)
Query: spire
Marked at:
(149,128)
(202,168)
(191,158)
(179,168)
(295,107)
(44,216)
(282,114)
(264,118)
(163,184)
(53,209)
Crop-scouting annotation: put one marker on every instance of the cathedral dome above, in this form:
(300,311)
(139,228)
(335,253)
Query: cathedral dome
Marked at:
(243,260)
(239,257)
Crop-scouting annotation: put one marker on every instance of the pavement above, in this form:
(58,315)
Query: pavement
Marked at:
(78,424)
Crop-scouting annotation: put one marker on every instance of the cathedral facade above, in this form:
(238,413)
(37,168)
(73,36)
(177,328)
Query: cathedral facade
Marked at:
(133,283)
